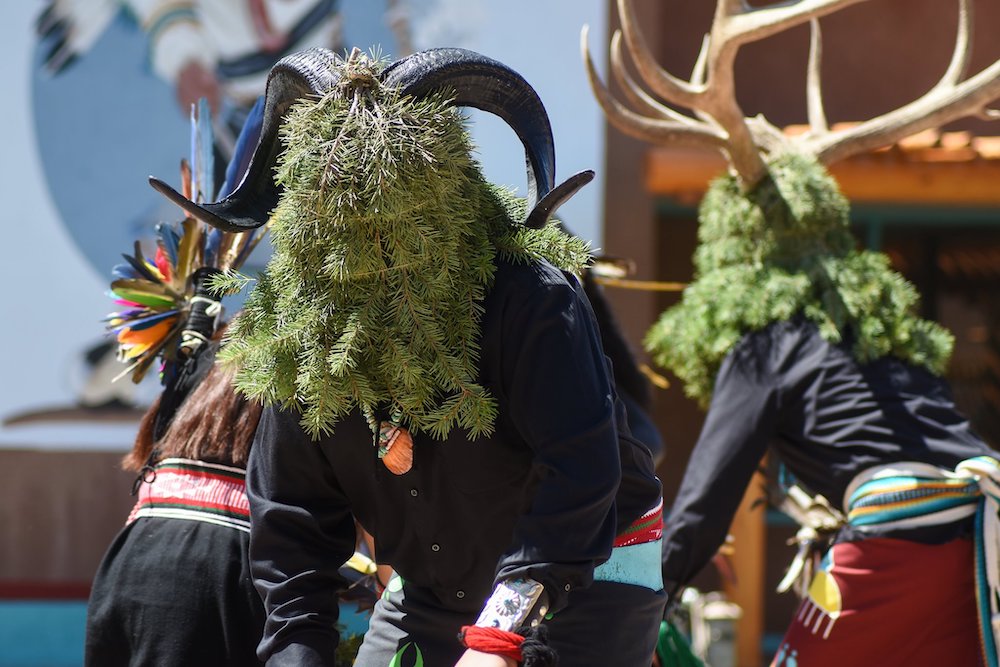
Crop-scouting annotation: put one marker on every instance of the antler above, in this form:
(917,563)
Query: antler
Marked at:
(950,99)
(718,122)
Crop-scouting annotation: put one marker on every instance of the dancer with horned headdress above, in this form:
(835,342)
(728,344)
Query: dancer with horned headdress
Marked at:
(430,363)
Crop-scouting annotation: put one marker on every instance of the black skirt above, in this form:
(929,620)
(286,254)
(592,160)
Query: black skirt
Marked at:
(174,592)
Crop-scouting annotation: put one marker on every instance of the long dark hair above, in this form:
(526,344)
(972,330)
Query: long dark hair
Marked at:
(214,423)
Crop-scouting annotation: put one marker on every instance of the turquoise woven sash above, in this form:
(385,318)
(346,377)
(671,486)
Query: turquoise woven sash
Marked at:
(910,494)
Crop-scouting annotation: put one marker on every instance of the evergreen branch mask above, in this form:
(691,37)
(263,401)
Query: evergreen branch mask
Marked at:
(783,250)
(386,236)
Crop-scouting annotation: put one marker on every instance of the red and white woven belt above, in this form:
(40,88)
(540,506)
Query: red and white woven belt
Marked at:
(195,491)
(647,528)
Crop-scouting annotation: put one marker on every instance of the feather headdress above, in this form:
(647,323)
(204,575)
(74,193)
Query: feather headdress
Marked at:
(168,305)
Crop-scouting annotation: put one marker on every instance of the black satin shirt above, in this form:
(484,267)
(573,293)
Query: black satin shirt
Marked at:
(824,415)
(543,497)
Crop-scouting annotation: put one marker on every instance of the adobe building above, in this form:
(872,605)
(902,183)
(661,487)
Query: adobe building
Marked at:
(931,202)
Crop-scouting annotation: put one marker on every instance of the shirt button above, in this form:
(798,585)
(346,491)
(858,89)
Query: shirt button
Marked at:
(435,547)
(460,594)
(414,493)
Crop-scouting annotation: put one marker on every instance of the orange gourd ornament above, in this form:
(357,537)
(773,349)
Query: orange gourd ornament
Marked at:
(395,447)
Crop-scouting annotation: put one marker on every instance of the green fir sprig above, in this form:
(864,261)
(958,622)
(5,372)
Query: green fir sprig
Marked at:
(385,243)
(780,251)
(228,282)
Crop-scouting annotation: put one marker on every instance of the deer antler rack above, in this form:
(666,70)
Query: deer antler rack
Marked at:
(719,123)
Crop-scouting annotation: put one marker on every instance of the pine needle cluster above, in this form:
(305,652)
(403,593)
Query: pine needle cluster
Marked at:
(385,243)
(784,250)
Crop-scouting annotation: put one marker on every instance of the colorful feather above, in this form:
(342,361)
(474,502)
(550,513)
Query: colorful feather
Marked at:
(212,241)
(253,237)
(155,293)
(167,238)
(114,319)
(195,172)
(140,266)
(148,355)
(186,179)
(188,246)
(144,299)
(147,336)
(124,271)
(162,264)
(142,323)
(206,147)
(140,286)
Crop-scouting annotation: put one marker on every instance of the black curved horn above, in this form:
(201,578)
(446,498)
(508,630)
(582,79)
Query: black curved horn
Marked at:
(309,72)
(488,85)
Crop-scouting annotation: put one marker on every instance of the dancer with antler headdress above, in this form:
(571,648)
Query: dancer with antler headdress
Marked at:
(797,341)
(430,364)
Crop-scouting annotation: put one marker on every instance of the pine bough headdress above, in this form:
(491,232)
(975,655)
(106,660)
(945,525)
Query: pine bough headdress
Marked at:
(785,250)
(386,235)
(170,309)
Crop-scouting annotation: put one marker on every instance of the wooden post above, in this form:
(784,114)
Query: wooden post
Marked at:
(748,531)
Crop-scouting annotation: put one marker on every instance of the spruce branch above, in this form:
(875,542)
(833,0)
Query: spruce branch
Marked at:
(784,250)
(228,282)
(386,241)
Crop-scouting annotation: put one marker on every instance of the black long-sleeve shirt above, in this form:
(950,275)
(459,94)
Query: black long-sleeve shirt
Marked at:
(543,497)
(826,417)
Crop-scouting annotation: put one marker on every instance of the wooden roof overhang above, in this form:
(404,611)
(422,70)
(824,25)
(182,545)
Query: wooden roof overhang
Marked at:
(942,169)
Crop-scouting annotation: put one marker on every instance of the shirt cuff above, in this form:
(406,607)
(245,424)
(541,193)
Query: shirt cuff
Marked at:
(515,603)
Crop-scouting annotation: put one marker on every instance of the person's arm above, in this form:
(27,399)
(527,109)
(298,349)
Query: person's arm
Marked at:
(478,659)
(301,532)
(741,420)
(558,394)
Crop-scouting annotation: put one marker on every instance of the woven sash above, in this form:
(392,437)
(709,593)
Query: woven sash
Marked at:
(195,491)
(647,528)
(637,553)
(910,495)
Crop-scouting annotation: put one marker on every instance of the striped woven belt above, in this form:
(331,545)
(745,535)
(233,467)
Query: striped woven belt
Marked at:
(647,528)
(637,553)
(194,491)
(911,494)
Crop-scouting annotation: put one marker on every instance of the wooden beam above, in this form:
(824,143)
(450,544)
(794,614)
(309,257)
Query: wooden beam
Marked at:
(681,173)
(749,542)
(934,176)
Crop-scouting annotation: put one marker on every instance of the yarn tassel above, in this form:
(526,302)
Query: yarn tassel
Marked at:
(535,649)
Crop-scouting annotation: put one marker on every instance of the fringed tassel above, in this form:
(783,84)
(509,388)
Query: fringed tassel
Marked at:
(535,649)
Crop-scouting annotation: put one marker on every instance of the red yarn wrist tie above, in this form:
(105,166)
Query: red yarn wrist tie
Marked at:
(493,640)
